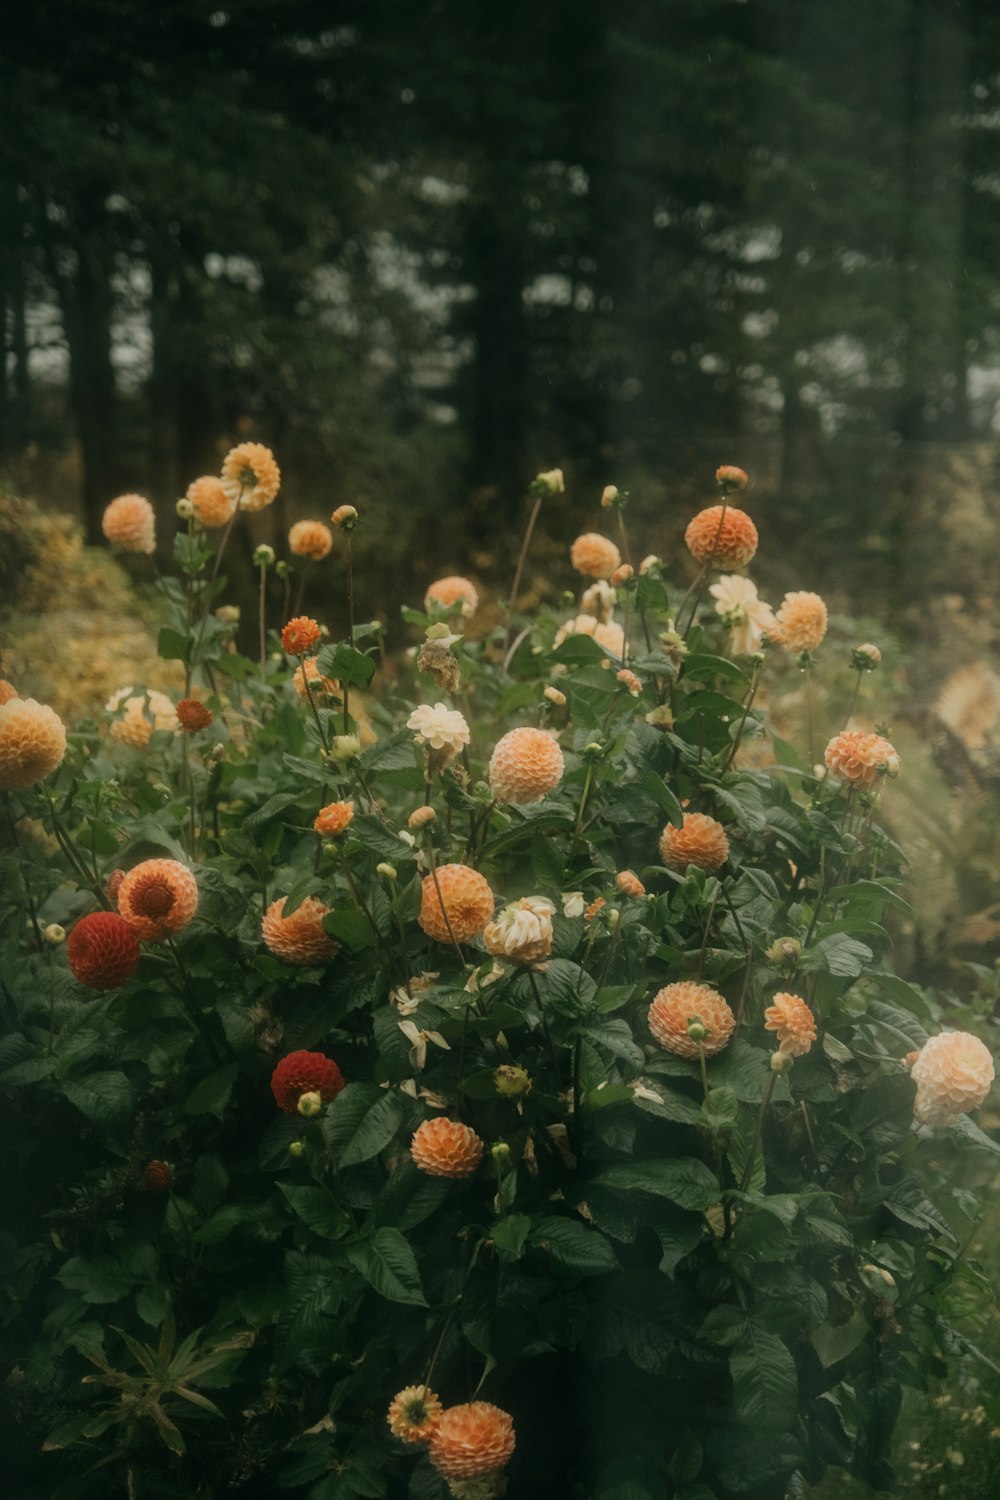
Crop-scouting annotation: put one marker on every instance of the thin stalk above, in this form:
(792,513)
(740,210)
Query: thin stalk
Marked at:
(312,704)
(807,668)
(186,997)
(708,924)
(583,798)
(67,847)
(545,1028)
(350,622)
(32,909)
(752,1153)
(854,701)
(261,618)
(698,587)
(751,695)
(515,587)
(429,847)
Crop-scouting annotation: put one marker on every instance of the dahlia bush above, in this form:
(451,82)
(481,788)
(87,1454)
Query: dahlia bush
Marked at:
(471,1063)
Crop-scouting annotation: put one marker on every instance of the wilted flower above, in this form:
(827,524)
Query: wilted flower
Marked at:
(525,766)
(730,479)
(598,600)
(446,1148)
(521,931)
(32,743)
(549,483)
(801,622)
(594,555)
(418,1043)
(444,593)
(305,1073)
(212,506)
(157,1177)
(420,817)
(594,909)
(650,563)
(701,841)
(414,1414)
(687,1004)
(158,898)
(860,758)
(722,537)
(439,728)
(472,1440)
(794,1024)
(621,576)
(301,937)
(953,1074)
(747,616)
(130,523)
(865,658)
(310,539)
(573,903)
(467,901)
(630,682)
(437,659)
(334,819)
(250,476)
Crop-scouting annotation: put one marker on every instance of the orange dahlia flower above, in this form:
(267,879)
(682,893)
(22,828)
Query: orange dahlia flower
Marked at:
(345,516)
(192,715)
(212,506)
(310,539)
(629,884)
(468,902)
(250,476)
(305,1073)
(594,909)
(158,898)
(102,950)
(300,635)
(307,669)
(334,819)
(7,691)
(860,758)
(594,556)
(630,682)
(525,766)
(794,1024)
(445,592)
(801,622)
(723,537)
(701,841)
(301,937)
(446,1148)
(414,1413)
(32,743)
(470,1440)
(953,1074)
(685,1004)
(130,523)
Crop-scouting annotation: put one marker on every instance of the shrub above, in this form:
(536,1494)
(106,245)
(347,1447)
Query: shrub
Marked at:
(540,1112)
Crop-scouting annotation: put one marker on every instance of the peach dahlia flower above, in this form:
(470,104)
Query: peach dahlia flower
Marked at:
(701,841)
(860,758)
(446,1148)
(250,477)
(471,1440)
(794,1024)
(301,937)
(686,1003)
(467,900)
(414,1414)
(445,592)
(212,506)
(525,766)
(310,539)
(801,622)
(158,898)
(130,523)
(722,536)
(32,743)
(595,556)
(953,1073)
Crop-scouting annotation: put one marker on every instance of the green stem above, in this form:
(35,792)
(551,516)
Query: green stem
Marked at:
(515,587)
(583,798)
(755,683)
(261,619)
(752,1153)
(350,623)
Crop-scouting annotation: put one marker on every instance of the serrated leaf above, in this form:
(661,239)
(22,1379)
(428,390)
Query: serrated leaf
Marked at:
(317,1210)
(684,1180)
(765,1385)
(211,1095)
(573,1246)
(361,1122)
(97,1278)
(350,927)
(657,789)
(388,1264)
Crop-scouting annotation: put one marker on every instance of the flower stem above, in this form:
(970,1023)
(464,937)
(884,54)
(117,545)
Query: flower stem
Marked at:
(261,620)
(350,623)
(752,1153)
(515,587)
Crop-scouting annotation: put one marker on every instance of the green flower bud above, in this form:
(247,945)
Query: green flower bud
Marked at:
(54,934)
(386,871)
(296,1148)
(784,952)
(184,509)
(263,557)
(310,1104)
(781,1061)
(344,747)
(511,1081)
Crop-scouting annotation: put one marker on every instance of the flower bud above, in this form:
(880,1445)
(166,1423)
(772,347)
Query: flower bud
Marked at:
(511,1081)
(344,747)
(184,509)
(730,479)
(784,952)
(310,1104)
(54,934)
(781,1061)
(554,696)
(612,917)
(283,569)
(420,817)
(296,1148)
(549,483)
(593,751)
(386,871)
(263,556)
(697,1030)
(345,516)
(330,851)
(501,1156)
(650,564)
(622,576)
(229,614)
(660,717)
(865,658)
(611,496)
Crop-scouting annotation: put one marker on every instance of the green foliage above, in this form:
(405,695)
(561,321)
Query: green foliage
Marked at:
(684,1273)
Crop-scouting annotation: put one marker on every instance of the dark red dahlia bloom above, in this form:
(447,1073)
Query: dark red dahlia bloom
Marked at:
(102,950)
(305,1073)
(158,1177)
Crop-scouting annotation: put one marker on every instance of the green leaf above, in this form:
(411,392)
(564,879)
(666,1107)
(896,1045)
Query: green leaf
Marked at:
(703,668)
(765,1385)
(171,645)
(909,1202)
(573,1246)
(350,927)
(388,1264)
(869,891)
(106,1099)
(317,1210)
(684,1180)
(510,1236)
(664,798)
(836,1343)
(347,664)
(839,954)
(211,1095)
(361,1122)
(98,1278)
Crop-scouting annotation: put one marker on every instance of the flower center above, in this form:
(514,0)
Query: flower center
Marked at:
(154,900)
